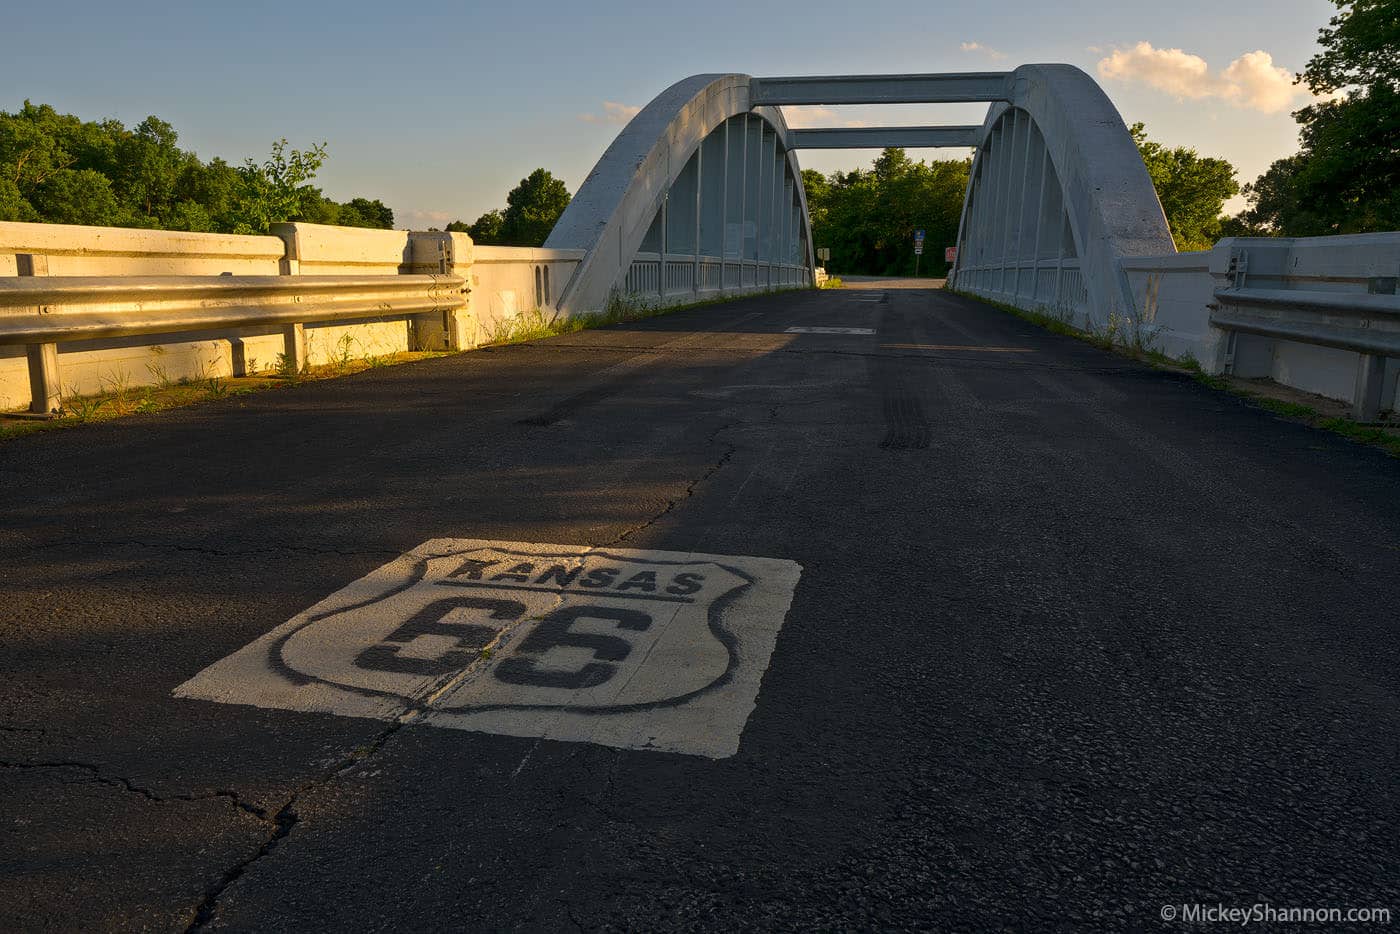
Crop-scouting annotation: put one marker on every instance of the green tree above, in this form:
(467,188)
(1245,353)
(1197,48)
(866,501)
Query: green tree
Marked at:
(78,196)
(372,213)
(1346,175)
(1360,48)
(148,167)
(533,208)
(1192,188)
(486,229)
(277,190)
(30,149)
(56,167)
(868,218)
(13,205)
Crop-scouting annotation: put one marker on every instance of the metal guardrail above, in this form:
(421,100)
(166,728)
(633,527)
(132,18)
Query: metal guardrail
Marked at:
(1366,324)
(43,312)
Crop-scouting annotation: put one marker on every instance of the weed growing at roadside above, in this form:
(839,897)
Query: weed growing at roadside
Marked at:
(342,359)
(157,367)
(82,408)
(117,385)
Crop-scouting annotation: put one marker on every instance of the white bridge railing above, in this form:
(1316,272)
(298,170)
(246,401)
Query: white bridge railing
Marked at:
(1056,285)
(652,276)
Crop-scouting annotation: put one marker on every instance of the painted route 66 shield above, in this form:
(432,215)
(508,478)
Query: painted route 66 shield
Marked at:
(639,649)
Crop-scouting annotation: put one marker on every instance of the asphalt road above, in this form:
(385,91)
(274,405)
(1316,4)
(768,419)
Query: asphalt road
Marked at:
(1073,640)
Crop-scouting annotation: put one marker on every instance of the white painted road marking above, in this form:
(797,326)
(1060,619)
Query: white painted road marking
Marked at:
(800,330)
(636,649)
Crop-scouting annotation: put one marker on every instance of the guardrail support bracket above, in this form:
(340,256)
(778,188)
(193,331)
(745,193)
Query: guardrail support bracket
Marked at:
(1370,379)
(45,394)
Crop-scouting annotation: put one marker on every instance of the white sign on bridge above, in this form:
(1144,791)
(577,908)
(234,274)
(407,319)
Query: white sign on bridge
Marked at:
(638,649)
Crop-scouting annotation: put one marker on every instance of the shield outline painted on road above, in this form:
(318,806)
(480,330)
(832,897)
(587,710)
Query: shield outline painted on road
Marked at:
(425,698)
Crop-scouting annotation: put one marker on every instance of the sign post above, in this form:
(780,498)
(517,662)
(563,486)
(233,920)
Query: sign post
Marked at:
(918,250)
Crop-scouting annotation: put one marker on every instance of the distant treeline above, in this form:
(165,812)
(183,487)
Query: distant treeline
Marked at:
(532,209)
(868,218)
(60,169)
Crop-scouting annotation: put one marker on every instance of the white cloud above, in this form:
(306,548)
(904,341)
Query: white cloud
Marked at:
(1255,80)
(988,51)
(413,219)
(1178,73)
(1251,81)
(613,112)
(807,116)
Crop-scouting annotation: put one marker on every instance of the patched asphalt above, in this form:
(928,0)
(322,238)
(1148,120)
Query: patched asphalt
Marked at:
(1074,639)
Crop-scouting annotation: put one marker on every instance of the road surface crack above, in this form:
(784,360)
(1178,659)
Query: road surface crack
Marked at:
(97,776)
(671,504)
(286,819)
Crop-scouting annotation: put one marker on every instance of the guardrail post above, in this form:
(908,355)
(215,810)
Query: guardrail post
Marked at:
(45,390)
(44,393)
(294,348)
(1370,379)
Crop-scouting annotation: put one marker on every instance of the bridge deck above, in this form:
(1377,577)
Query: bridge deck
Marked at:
(1072,639)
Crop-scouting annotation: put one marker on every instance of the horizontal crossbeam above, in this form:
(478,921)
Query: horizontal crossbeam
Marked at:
(981,86)
(879,137)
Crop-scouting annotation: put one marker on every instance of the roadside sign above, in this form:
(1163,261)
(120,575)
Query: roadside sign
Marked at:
(919,248)
(950,254)
(918,236)
(824,253)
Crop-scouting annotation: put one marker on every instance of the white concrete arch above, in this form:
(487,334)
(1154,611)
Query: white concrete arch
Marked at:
(700,195)
(1057,196)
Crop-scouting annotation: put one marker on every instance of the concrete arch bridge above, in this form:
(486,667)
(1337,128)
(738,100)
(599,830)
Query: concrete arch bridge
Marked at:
(701,194)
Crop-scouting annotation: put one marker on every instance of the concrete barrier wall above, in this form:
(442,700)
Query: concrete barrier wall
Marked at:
(1174,296)
(502,288)
(510,281)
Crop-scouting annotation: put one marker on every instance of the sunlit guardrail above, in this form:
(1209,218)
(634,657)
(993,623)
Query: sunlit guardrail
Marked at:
(1366,324)
(43,312)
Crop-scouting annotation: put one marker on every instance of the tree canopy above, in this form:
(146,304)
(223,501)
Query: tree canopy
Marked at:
(58,168)
(1192,188)
(868,218)
(1345,177)
(532,209)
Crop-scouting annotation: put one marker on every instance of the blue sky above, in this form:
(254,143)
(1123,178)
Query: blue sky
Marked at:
(439,109)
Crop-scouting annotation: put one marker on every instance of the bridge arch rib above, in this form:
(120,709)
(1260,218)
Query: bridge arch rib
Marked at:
(700,195)
(1057,196)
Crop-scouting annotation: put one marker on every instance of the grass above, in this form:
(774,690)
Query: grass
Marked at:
(832,282)
(1132,340)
